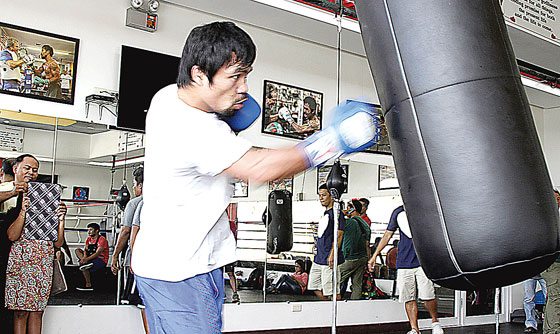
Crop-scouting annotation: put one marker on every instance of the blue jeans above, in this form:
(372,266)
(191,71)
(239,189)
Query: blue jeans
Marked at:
(191,306)
(530,286)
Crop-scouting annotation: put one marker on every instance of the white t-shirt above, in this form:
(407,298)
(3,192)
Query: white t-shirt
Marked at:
(185,230)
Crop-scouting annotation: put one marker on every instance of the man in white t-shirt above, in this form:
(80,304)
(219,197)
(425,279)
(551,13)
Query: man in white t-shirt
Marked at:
(191,157)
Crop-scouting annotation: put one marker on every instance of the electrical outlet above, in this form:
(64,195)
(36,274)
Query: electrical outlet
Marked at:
(296,307)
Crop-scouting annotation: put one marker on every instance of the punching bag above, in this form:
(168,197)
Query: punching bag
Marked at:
(279,235)
(470,167)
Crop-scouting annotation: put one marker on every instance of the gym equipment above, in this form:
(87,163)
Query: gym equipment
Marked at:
(470,167)
(123,196)
(244,117)
(279,234)
(353,129)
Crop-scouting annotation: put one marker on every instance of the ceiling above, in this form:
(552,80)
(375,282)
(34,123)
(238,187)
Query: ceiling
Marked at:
(318,26)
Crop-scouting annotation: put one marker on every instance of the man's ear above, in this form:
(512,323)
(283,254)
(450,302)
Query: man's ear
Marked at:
(198,76)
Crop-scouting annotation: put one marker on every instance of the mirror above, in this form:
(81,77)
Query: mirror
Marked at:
(92,164)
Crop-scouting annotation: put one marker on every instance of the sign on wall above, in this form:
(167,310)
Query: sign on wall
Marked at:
(130,141)
(11,138)
(539,16)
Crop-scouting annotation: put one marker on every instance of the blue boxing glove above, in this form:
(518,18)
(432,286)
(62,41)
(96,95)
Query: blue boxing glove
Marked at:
(353,129)
(244,117)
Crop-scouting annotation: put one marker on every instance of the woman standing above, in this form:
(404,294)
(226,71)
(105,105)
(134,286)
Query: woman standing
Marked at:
(30,263)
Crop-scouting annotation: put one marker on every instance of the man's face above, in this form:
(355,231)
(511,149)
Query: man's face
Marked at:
(227,92)
(27,170)
(325,198)
(557,198)
(44,53)
(137,188)
(15,47)
(307,109)
(92,232)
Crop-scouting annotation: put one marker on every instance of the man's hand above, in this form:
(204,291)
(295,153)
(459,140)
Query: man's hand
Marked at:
(371,262)
(83,261)
(115,265)
(331,260)
(20,187)
(61,211)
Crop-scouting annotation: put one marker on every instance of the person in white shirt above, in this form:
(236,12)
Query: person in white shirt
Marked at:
(191,157)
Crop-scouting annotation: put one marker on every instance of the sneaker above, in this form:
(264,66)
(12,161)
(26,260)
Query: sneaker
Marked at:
(530,330)
(412,331)
(235,298)
(84,288)
(86,266)
(436,328)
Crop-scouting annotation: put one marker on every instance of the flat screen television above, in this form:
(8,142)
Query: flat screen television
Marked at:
(143,73)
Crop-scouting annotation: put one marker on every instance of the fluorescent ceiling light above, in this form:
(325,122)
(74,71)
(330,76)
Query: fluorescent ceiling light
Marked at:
(312,12)
(540,86)
(117,163)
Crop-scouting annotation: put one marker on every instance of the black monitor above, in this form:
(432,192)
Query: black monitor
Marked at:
(143,73)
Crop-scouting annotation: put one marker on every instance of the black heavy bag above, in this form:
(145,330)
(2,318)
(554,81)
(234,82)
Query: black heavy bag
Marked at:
(470,167)
(279,235)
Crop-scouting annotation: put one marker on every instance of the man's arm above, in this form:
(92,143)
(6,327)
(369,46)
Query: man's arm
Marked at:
(121,243)
(339,238)
(382,243)
(19,187)
(263,165)
(16,227)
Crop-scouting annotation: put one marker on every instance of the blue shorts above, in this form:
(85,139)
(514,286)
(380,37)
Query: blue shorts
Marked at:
(191,306)
(97,265)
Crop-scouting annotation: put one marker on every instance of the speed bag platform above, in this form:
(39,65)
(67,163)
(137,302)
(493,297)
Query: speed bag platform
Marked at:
(279,234)
(471,170)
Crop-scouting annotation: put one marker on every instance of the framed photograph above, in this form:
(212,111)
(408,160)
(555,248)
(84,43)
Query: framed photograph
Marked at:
(37,64)
(387,178)
(240,188)
(323,173)
(80,193)
(291,111)
(382,146)
(283,184)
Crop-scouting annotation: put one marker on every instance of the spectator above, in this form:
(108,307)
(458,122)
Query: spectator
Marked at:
(363,213)
(355,247)
(530,285)
(295,283)
(551,323)
(30,263)
(411,279)
(321,275)
(94,256)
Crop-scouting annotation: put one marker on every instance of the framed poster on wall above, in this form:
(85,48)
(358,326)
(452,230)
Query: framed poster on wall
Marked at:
(323,173)
(38,64)
(283,184)
(291,111)
(387,178)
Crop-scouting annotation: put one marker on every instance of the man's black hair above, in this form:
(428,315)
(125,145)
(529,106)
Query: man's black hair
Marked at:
(49,49)
(365,200)
(357,205)
(95,226)
(138,175)
(323,186)
(213,45)
(23,156)
(310,102)
(8,167)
